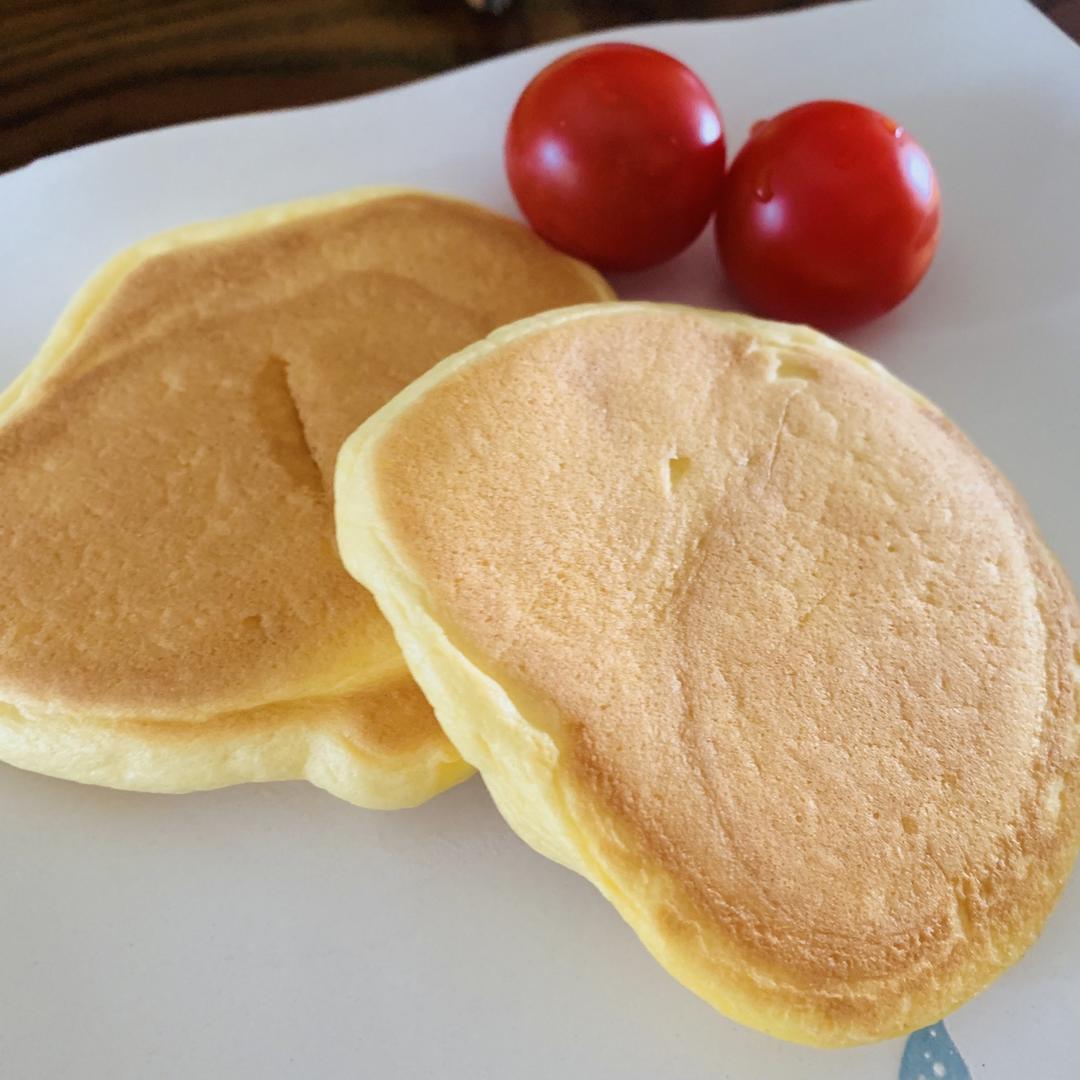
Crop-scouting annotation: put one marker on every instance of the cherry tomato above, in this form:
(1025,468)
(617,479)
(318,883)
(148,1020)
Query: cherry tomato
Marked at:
(829,215)
(615,154)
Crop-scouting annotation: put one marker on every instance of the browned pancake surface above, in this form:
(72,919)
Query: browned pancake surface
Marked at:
(799,645)
(166,516)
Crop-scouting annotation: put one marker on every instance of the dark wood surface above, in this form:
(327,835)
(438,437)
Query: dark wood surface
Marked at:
(74,71)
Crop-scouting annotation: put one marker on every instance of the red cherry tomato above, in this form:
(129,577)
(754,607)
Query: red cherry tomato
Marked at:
(615,154)
(829,215)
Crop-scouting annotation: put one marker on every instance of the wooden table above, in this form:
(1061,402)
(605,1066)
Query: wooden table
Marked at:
(74,71)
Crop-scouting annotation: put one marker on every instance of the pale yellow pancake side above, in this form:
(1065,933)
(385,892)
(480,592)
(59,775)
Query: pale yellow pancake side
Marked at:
(173,611)
(743,630)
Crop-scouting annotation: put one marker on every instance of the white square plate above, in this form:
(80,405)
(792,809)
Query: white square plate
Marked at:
(271,931)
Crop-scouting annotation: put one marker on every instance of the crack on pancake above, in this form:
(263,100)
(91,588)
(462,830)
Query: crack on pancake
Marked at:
(674,609)
(775,448)
(794,367)
(677,467)
(278,415)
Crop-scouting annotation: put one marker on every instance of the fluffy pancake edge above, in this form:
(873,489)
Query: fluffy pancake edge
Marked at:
(317,740)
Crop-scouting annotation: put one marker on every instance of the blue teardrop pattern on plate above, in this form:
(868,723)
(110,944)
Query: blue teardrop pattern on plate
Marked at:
(931,1055)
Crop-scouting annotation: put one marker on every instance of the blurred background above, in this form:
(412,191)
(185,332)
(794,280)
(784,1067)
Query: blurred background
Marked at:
(75,71)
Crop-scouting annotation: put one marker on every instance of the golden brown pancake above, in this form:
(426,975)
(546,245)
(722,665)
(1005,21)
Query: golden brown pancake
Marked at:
(173,611)
(745,631)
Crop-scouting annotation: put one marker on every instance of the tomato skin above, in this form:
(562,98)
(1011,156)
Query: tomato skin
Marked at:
(615,153)
(829,215)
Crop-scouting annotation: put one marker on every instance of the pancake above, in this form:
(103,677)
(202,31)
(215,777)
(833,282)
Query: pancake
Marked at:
(746,632)
(173,611)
